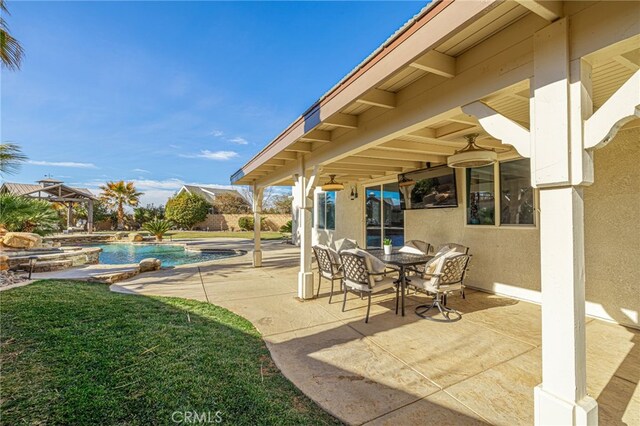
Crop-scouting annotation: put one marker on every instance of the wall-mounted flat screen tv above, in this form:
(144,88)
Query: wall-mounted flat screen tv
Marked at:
(432,188)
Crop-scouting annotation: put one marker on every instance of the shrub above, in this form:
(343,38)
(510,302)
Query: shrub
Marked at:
(187,209)
(246,223)
(24,214)
(230,203)
(158,227)
(148,213)
(287,227)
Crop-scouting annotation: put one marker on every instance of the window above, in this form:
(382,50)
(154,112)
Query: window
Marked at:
(515,201)
(384,216)
(516,193)
(326,208)
(480,196)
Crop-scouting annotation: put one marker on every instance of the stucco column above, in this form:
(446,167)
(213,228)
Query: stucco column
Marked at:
(559,170)
(257,210)
(306,186)
(562,397)
(90,216)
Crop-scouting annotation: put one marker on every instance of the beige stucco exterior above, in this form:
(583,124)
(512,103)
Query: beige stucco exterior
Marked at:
(612,232)
(506,259)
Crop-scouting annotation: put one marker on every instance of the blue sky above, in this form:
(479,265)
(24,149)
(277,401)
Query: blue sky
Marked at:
(165,93)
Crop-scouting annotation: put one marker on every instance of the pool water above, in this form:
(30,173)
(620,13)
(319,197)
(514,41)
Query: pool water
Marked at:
(170,255)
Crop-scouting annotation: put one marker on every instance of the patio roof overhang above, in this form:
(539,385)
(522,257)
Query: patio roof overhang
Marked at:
(551,81)
(405,104)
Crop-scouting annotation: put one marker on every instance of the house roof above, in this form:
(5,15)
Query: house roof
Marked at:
(56,192)
(403,107)
(209,193)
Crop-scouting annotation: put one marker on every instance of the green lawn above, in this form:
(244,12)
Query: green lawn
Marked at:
(75,353)
(264,235)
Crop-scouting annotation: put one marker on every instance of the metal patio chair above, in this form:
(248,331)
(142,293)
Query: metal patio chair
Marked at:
(328,268)
(447,277)
(359,278)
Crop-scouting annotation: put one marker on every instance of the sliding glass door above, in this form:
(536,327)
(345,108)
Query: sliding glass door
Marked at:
(383,216)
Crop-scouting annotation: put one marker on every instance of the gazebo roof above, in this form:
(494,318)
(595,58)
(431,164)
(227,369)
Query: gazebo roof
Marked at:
(48,189)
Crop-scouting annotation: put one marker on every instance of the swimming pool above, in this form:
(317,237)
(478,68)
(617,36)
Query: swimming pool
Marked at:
(169,254)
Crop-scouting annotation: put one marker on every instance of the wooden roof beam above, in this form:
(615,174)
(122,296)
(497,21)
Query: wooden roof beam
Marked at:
(359,167)
(418,147)
(299,147)
(339,119)
(378,98)
(396,155)
(317,136)
(436,63)
(455,130)
(379,162)
(629,60)
(427,134)
(546,9)
(287,156)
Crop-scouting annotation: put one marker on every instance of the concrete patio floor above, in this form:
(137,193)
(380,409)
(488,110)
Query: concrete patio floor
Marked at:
(403,370)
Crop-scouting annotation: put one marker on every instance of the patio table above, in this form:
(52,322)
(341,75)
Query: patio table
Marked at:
(402,261)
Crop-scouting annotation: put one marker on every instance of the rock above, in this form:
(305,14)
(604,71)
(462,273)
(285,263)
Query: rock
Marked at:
(150,264)
(120,235)
(8,278)
(22,240)
(4,263)
(136,237)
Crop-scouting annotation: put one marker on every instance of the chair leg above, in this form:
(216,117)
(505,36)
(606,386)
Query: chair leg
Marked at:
(397,297)
(463,295)
(368,308)
(450,315)
(319,280)
(331,294)
(344,301)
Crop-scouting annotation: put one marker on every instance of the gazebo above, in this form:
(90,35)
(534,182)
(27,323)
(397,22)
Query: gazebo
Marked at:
(55,191)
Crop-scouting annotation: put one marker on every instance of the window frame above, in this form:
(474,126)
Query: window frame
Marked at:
(498,203)
(317,209)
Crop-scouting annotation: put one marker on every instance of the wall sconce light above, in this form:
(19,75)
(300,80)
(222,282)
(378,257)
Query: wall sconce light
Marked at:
(354,192)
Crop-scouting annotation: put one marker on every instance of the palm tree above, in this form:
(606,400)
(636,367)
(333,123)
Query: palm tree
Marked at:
(10,50)
(11,157)
(119,194)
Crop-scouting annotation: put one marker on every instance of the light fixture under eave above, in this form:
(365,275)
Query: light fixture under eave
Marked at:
(332,185)
(472,155)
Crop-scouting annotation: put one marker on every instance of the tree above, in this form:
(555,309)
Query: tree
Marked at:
(187,209)
(158,227)
(280,204)
(142,215)
(10,50)
(11,157)
(230,203)
(25,214)
(100,211)
(117,195)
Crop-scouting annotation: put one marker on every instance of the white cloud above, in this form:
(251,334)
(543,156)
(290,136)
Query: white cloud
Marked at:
(217,133)
(212,155)
(141,171)
(71,164)
(174,146)
(143,184)
(239,140)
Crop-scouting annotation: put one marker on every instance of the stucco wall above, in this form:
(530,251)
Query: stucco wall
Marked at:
(502,256)
(507,260)
(612,230)
(229,222)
